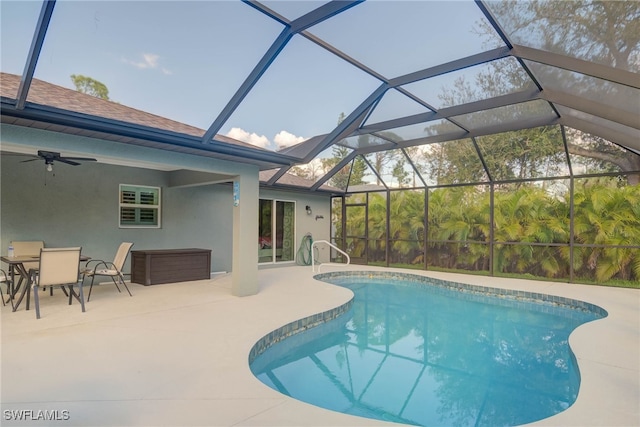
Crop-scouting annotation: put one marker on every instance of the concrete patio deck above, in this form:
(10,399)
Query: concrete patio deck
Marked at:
(176,354)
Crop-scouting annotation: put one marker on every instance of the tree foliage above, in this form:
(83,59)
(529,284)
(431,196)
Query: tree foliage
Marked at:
(90,86)
(605,32)
(531,229)
(609,32)
(350,174)
(531,221)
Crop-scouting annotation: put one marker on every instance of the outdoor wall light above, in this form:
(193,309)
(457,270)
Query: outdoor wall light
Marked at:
(308,208)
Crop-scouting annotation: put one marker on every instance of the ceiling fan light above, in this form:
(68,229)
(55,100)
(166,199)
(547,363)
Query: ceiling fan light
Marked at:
(49,167)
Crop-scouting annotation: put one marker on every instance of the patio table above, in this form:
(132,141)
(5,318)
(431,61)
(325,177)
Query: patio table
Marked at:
(16,266)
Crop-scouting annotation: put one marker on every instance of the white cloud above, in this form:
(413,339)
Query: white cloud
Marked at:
(285,139)
(148,61)
(251,138)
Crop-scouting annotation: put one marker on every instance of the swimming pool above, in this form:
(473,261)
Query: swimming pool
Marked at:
(430,353)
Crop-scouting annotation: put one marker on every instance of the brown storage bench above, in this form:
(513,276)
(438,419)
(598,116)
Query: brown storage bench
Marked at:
(153,267)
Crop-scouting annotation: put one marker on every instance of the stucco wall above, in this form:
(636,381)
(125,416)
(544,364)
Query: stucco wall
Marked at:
(78,205)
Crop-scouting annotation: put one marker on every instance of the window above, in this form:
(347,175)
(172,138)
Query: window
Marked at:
(139,206)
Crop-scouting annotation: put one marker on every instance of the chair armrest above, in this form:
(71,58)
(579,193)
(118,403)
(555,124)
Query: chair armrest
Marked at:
(92,261)
(99,266)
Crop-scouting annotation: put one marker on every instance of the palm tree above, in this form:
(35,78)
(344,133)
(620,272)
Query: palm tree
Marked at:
(377,226)
(607,215)
(529,214)
(531,229)
(406,225)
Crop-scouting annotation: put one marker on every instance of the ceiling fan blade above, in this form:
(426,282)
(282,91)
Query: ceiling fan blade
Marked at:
(84,159)
(50,157)
(67,161)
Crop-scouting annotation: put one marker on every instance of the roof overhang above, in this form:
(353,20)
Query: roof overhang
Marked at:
(69,122)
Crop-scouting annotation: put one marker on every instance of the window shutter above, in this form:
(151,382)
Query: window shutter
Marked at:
(139,206)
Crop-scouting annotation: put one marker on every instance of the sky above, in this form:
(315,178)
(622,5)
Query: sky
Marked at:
(185,60)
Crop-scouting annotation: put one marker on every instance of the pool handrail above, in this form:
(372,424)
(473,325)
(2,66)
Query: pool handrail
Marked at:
(313,267)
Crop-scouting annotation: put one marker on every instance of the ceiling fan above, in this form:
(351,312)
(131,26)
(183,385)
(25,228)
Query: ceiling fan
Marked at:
(51,156)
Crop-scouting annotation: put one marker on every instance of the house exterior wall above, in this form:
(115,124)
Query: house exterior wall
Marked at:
(320,205)
(202,216)
(78,205)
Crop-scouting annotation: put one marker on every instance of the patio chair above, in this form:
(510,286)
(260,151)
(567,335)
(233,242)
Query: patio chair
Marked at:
(26,248)
(5,279)
(113,270)
(57,267)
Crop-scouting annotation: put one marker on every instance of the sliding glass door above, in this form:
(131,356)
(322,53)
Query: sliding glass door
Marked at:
(276,238)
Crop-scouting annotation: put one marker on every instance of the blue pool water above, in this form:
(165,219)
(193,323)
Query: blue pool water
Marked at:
(433,356)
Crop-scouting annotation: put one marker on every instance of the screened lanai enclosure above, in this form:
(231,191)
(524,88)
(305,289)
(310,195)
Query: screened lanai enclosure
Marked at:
(494,137)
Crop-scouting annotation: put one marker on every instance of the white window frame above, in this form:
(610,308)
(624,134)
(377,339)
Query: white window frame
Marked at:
(138,206)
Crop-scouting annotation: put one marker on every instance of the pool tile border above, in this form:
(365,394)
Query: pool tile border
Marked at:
(472,291)
(482,291)
(295,327)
